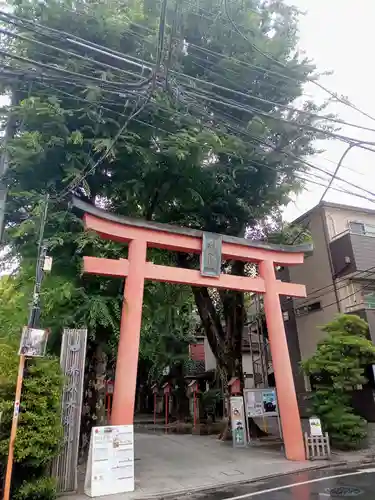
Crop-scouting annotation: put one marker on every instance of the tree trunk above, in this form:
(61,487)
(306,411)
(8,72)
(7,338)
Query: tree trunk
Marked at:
(182,401)
(100,376)
(93,411)
(226,340)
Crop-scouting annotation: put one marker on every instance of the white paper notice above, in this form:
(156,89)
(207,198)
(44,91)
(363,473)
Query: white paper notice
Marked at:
(110,468)
(315,426)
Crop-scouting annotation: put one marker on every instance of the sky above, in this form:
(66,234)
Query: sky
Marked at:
(338,36)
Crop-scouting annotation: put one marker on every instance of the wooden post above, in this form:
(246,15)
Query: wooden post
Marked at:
(195,408)
(155,391)
(167,392)
(166,399)
(154,408)
(13,432)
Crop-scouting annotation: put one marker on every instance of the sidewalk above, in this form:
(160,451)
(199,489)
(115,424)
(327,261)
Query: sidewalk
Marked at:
(178,464)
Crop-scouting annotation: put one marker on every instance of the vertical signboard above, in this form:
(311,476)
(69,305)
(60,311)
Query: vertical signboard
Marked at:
(110,467)
(211,255)
(239,428)
(72,362)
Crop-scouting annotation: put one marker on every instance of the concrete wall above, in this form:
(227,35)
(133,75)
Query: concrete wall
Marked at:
(338,219)
(315,273)
(362,253)
(209,358)
(291,331)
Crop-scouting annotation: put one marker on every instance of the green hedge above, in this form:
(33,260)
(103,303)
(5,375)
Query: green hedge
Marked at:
(39,434)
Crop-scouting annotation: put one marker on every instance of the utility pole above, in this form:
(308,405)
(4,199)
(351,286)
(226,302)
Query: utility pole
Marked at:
(33,322)
(4,163)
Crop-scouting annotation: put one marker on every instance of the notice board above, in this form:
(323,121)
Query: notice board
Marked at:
(110,467)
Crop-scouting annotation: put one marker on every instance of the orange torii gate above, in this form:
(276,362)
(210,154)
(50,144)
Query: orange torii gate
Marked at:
(139,235)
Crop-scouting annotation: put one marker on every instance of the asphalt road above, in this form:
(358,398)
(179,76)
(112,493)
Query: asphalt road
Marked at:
(357,483)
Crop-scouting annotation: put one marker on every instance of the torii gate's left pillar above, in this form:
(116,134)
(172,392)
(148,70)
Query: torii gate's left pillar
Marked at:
(128,348)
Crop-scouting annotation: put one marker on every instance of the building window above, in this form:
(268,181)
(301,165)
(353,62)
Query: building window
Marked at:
(357,227)
(303,310)
(369,299)
(361,228)
(350,295)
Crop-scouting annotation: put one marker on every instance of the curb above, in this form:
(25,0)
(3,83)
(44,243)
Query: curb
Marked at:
(208,489)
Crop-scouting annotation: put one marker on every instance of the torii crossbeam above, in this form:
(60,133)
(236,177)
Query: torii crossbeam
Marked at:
(139,235)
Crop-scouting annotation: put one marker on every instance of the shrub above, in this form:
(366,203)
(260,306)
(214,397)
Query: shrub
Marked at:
(39,433)
(337,368)
(210,401)
(38,489)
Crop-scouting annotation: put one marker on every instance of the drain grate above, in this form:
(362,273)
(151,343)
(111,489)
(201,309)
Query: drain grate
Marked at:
(233,472)
(344,491)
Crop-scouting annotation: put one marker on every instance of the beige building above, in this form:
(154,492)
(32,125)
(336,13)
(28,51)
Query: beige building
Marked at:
(339,275)
(340,278)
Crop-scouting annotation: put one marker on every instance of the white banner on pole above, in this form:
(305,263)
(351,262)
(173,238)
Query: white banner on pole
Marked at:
(110,467)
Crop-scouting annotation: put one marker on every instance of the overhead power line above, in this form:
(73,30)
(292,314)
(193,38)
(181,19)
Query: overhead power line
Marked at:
(330,288)
(279,63)
(365,287)
(11,34)
(226,122)
(241,63)
(252,110)
(49,32)
(107,84)
(63,71)
(136,111)
(176,113)
(85,43)
(88,44)
(272,103)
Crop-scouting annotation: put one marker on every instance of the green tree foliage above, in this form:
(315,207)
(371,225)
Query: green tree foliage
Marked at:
(194,156)
(166,331)
(13,305)
(337,368)
(39,434)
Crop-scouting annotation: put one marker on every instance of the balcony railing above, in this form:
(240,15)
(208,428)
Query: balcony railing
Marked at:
(352,252)
(360,306)
(369,234)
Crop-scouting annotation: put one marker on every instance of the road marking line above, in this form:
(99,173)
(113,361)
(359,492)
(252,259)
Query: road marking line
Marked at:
(293,485)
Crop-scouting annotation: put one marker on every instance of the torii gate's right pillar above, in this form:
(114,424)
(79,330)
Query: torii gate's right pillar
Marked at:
(287,398)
